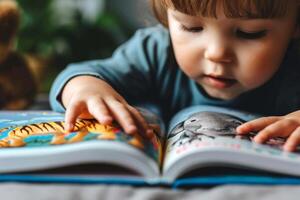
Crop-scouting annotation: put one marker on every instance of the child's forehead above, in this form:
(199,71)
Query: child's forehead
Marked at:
(231,8)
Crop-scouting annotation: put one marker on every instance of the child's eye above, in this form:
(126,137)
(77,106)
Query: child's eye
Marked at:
(191,29)
(251,35)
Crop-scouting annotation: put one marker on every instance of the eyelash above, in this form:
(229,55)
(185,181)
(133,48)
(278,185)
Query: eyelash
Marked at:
(239,33)
(192,29)
(251,35)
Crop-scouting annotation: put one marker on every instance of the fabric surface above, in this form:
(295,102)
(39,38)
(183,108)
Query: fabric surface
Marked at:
(13,191)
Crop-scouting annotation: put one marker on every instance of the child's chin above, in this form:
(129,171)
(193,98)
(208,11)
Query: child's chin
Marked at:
(223,95)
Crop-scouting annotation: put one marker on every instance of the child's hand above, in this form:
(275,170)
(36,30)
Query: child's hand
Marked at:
(275,126)
(90,97)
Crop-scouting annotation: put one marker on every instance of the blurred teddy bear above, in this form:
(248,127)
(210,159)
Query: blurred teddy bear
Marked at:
(18,86)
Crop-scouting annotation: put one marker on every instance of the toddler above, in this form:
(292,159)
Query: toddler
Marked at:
(237,54)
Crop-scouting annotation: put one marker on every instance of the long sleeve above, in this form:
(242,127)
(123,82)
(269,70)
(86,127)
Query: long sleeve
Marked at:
(132,70)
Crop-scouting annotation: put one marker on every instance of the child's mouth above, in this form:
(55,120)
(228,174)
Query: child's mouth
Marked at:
(219,82)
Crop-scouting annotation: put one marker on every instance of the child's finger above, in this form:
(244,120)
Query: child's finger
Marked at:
(122,115)
(72,112)
(140,120)
(281,128)
(293,141)
(256,124)
(99,110)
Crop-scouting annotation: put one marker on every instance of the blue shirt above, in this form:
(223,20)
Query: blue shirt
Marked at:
(144,70)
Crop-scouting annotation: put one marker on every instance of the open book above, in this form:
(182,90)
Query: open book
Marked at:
(199,147)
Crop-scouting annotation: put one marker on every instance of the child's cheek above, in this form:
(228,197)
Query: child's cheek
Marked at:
(258,72)
(189,65)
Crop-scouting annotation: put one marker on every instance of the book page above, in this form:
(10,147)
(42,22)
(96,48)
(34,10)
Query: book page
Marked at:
(29,130)
(206,133)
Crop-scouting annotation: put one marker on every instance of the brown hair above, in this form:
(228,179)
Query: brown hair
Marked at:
(232,8)
(9,20)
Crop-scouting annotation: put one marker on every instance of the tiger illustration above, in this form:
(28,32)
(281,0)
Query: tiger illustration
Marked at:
(17,135)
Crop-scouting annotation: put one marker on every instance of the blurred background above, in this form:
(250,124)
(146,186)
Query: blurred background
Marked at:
(54,33)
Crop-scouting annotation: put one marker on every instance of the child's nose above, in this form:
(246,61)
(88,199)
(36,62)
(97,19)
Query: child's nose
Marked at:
(218,51)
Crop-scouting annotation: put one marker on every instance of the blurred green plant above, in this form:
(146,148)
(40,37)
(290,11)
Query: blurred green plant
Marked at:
(40,34)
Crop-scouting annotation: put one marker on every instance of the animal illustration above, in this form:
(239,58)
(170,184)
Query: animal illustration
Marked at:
(206,124)
(17,135)
(211,125)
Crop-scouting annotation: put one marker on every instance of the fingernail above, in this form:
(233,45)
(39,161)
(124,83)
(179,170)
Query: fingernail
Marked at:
(257,140)
(288,148)
(131,129)
(240,129)
(107,120)
(68,127)
(150,133)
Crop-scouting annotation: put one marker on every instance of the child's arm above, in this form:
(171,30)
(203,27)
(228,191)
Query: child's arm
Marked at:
(275,126)
(134,72)
(91,97)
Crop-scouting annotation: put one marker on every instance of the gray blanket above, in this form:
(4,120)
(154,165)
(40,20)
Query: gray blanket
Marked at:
(20,191)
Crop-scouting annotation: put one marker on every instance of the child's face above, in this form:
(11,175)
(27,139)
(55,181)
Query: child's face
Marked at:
(229,56)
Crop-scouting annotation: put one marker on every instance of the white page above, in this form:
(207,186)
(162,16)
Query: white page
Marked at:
(208,138)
